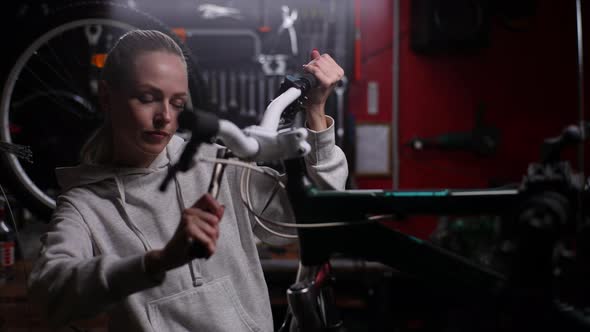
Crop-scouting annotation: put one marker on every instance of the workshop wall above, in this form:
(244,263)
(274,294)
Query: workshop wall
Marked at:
(525,79)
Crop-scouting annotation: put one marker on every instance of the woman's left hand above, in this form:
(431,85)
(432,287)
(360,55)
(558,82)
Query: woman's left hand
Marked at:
(328,73)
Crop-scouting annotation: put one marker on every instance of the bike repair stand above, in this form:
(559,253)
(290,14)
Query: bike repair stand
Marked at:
(549,213)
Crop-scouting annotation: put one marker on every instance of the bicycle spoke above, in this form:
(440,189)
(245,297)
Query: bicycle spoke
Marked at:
(69,78)
(68,82)
(57,93)
(47,87)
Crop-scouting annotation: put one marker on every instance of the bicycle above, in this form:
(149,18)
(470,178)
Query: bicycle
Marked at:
(546,207)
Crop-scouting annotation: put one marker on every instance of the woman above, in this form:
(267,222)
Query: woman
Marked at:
(119,245)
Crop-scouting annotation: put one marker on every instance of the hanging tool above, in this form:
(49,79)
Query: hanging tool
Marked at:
(273,64)
(222,92)
(213,87)
(211,11)
(251,94)
(261,97)
(340,90)
(289,18)
(233,102)
(482,139)
(243,101)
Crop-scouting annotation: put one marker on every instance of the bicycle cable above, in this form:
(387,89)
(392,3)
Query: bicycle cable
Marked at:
(370,220)
(245,188)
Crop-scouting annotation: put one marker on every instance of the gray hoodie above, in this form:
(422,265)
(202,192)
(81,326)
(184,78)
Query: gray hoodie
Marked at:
(106,219)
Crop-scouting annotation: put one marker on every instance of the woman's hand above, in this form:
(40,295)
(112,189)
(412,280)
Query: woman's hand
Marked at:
(195,237)
(328,73)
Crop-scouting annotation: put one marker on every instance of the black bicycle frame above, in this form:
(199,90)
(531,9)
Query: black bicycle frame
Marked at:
(377,242)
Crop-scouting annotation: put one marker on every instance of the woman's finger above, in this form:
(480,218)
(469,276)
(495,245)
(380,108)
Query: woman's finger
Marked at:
(330,68)
(318,73)
(210,230)
(194,214)
(209,203)
(201,238)
(314,54)
(326,70)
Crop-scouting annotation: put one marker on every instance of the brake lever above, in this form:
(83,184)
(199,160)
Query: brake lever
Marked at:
(185,162)
(204,127)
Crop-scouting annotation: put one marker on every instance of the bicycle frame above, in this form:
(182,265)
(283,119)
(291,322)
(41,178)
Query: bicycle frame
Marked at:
(384,244)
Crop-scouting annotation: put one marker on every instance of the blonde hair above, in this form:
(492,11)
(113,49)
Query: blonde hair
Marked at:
(117,72)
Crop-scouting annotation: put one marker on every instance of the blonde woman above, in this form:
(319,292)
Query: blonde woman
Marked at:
(119,245)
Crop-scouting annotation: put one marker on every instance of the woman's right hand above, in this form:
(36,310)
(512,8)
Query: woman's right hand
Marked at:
(195,237)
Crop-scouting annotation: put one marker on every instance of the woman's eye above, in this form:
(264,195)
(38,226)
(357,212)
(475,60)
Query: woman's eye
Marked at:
(146,98)
(179,104)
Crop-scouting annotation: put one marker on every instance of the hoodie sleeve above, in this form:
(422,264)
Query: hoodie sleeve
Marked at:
(326,163)
(327,167)
(69,282)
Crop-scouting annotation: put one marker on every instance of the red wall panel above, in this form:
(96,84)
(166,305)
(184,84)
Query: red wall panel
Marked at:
(376,65)
(526,80)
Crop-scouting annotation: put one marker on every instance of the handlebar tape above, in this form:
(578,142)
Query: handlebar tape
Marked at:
(308,81)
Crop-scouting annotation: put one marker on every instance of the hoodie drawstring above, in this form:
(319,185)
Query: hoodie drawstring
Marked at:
(122,202)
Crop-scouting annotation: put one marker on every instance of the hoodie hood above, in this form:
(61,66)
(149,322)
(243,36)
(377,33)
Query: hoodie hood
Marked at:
(132,212)
(84,174)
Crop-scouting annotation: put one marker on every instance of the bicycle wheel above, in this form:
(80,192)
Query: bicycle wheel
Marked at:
(49,96)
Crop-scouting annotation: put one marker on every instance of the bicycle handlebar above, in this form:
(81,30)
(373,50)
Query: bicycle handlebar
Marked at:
(262,143)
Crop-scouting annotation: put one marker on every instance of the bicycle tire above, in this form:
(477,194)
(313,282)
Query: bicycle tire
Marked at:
(68,113)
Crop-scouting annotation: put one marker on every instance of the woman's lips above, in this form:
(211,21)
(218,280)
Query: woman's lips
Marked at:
(157,134)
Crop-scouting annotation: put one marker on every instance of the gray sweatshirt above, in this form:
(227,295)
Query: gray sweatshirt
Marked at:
(92,259)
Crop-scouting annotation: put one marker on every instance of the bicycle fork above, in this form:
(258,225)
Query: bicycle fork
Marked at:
(311,300)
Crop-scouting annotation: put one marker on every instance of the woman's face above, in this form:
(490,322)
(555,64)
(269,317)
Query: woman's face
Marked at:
(144,114)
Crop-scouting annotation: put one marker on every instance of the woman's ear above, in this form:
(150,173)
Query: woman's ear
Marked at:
(104,96)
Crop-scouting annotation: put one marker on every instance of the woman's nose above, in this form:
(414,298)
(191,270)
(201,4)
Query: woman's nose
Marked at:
(163,116)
